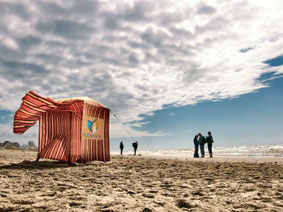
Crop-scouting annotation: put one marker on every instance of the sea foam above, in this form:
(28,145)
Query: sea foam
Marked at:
(235,151)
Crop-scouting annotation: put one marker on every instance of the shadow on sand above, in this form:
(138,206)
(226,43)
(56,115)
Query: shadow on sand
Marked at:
(38,165)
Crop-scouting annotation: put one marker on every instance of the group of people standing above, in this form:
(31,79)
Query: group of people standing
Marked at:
(135,146)
(200,141)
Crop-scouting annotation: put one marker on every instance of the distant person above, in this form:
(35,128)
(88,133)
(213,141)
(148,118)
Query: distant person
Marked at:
(121,147)
(209,140)
(135,145)
(201,141)
(196,155)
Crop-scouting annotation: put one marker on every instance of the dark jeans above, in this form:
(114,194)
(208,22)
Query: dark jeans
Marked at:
(209,146)
(202,149)
(135,151)
(196,151)
(121,151)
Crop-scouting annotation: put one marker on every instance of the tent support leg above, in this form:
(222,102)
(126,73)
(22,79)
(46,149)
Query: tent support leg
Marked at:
(39,130)
(69,160)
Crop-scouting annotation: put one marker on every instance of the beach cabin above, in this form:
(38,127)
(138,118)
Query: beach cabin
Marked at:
(71,130)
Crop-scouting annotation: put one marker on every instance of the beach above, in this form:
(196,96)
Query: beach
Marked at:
(140,183)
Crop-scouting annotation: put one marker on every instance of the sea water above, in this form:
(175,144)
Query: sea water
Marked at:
(235,151)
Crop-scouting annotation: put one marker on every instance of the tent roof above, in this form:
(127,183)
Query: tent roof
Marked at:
(83,98)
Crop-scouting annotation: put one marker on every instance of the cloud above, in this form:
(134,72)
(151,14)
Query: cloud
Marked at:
(136,57)
(205,9)
(71,30)
(122,131)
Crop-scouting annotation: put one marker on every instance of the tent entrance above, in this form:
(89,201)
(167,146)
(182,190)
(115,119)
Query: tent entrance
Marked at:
(55,135)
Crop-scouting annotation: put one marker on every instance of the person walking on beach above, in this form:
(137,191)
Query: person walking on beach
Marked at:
(209,140)
(196,155)
(135,145)
(201,141)
(121,147)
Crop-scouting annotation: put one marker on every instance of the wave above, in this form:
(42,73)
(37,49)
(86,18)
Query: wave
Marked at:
(235,151)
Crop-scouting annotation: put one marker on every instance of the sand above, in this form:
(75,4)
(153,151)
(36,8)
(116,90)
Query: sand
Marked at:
(138,183)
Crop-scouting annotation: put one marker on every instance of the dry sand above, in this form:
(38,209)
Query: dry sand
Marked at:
(140,183)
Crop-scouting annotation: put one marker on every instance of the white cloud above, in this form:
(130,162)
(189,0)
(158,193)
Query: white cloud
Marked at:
(8,42)
(136,57)
(122,130)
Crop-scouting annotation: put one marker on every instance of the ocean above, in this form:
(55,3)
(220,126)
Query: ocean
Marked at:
(271,151)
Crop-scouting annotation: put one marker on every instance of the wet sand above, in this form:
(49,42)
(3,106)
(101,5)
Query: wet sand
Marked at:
(140,183)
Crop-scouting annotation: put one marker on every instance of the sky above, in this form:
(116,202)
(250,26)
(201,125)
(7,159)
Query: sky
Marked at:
(167,69)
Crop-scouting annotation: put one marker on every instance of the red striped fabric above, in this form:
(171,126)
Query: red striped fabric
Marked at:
(60,128)
(96,148)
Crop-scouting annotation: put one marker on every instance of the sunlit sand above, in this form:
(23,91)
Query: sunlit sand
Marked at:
(139,183)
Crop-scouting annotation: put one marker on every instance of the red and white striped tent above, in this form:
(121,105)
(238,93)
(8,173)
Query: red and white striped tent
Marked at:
(73,130)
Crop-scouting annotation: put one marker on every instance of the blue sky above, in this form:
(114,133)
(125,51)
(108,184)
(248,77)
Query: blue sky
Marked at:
(167,69)
(250,119)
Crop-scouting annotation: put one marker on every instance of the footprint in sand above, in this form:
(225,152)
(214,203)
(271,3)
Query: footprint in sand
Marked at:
(148,195)
(183,204)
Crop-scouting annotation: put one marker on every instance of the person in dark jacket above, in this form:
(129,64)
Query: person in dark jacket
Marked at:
(201,141)
(121,147)
(196,155)
(135,145)
(209,140)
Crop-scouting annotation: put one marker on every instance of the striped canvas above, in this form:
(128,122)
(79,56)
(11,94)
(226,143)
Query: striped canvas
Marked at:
(63,134)
(95,145)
